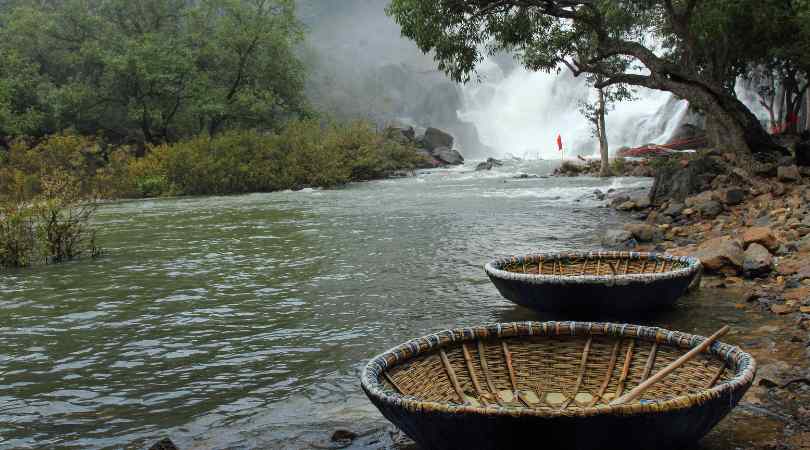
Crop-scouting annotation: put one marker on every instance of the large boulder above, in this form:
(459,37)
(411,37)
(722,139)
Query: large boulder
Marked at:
(676,182)
(758,261)
(760,235)
(448,156)
(721,255)
(435,139)
(619,240)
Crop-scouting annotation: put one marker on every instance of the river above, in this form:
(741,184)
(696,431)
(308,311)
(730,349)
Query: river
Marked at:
(244,321)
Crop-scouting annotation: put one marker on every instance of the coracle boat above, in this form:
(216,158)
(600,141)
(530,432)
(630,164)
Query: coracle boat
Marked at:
(552,385)
(596,284)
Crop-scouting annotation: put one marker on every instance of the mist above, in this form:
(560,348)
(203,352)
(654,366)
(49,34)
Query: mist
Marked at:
(364,69)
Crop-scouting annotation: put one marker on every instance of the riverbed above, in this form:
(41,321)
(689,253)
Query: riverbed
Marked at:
(244,321)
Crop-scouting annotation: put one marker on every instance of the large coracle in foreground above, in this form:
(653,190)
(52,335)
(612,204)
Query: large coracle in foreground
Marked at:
(551,384)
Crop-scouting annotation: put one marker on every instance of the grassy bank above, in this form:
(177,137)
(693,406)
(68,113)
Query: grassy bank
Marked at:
(301,154)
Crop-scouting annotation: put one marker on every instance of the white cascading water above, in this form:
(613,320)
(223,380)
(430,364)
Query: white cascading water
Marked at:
(521,113)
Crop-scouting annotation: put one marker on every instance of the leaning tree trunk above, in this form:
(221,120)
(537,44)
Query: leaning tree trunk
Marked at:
(738,129)
(604,170)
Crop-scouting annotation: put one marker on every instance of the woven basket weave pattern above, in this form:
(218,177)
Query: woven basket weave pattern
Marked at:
(593,267)
(547,357)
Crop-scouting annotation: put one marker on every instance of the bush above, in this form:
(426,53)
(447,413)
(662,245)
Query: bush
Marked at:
(17,235)
(54,227)
(303,153)
(617,165)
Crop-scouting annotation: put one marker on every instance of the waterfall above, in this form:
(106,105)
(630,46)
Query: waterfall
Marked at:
(519,112)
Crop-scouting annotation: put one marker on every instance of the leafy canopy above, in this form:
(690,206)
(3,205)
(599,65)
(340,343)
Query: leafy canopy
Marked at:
(149,70)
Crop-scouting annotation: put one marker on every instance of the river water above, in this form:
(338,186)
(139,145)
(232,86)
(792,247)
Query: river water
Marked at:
(244,321)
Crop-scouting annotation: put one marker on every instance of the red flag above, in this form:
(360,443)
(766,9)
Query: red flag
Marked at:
(559,143)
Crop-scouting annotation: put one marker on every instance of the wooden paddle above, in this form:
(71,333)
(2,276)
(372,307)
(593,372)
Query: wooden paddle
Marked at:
(635,393)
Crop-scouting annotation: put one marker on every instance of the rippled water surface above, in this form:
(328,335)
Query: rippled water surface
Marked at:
(244,322)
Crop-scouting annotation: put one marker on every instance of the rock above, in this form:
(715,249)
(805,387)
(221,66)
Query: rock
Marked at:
(765,169)
(772,375)
(697,200)
(570,169)
(721,255)
(643,232)
(164,444)
(435,139)
(488,164)
(642,202)
(674,209)
(710,209)
(760,235)
(803,154)
(788,173)
(448,156)
(781,309)
(599,194)
(733,196)
(757,261)
(673,182)
(629,205)
(343,436)
(619,240)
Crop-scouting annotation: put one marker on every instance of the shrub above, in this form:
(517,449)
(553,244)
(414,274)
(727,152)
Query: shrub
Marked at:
(17,235)
(53,227)
(617,165)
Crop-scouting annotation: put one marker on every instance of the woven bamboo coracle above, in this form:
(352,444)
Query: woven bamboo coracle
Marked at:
(596,284)
(551,383)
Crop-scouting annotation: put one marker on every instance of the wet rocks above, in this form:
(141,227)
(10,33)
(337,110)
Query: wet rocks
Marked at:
(760,235)
(675,181)
(788,173)
(619,240)
(435,139)
(721,254)
(643,232)
(733,196)
(164,444)
(343,436)
(448,156)
(489,164)
(758,261)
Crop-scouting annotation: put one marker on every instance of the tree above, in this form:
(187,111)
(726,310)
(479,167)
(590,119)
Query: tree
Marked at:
(153,70)
(694,49)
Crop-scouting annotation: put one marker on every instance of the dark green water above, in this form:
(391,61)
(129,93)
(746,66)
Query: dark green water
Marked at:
(243,322)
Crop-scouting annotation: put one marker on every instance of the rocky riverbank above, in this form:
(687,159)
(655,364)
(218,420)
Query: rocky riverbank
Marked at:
(751,231)
(620,167)
(435,146)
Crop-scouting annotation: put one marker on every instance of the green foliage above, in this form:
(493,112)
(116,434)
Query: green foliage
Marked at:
(17,235)
(150,71)
(617,165)
(304,153)
(54,226)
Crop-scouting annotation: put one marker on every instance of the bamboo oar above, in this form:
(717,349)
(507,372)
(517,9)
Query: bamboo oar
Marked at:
(635,393)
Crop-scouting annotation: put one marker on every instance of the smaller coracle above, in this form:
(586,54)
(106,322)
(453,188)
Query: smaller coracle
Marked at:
(558,385)
(596,284)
